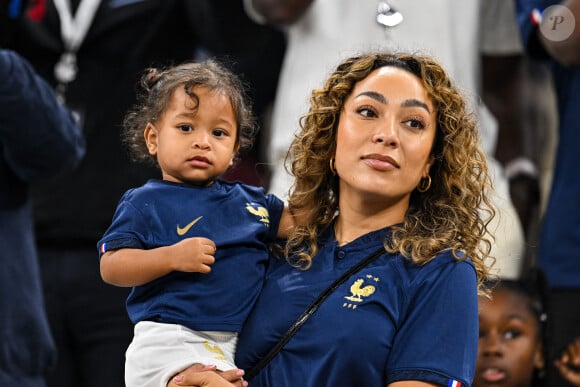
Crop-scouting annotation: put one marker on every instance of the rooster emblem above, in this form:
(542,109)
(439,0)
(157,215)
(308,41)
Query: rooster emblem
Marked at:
(260,212)
(214,348)
(358,292)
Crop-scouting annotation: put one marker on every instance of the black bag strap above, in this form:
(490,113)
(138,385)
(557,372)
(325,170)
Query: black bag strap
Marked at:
(309,312)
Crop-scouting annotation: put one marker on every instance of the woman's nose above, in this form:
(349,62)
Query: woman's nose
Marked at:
(386,133)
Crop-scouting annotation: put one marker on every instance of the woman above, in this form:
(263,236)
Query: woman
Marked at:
(388,158)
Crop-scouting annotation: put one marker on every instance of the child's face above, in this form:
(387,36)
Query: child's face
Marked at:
(509,341)
(194,146)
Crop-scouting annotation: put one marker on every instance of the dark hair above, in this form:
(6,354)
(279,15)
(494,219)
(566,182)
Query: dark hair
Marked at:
(533,286)
(156,89)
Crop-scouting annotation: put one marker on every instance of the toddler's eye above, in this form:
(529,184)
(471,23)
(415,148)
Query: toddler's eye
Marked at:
(185,128)
(219,132)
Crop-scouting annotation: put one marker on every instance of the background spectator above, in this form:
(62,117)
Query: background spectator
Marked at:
(38,139)
(550,31)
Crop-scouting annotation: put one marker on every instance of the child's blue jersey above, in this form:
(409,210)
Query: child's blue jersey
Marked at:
(240,219)
(391,321)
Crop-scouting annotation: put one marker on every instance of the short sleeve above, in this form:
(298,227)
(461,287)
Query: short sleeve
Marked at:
(275,208)
(127,230)
(438,335)
(527,14)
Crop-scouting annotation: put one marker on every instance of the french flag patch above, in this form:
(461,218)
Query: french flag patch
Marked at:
(103,248)
(536,17)
(453,383)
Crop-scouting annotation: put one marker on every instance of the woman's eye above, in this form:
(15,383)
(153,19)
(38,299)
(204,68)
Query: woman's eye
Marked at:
(415,123)
(185,128)
(366,111)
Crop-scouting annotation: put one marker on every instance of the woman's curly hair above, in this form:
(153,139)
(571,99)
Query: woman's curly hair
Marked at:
(156,88)
(452,214)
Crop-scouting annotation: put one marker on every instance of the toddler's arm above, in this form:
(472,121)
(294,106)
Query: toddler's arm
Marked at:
(134,267)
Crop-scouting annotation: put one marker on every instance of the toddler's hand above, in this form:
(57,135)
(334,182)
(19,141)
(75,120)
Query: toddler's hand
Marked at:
(193,255)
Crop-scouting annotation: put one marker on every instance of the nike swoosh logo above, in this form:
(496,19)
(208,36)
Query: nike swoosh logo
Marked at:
(182,230)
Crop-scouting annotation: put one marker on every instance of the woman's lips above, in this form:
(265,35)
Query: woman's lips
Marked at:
(380,162)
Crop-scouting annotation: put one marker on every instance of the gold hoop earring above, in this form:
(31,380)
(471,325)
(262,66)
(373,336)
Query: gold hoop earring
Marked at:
(332,165)
(424,184)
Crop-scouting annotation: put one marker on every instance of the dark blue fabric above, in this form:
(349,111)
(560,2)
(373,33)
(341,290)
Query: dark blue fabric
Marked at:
(38,138)
(559,251)
(393,320)
(241,220)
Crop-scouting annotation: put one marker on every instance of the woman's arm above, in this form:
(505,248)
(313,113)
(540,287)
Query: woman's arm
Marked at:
(290,219)
(412,383)
(134,267)
(287,224)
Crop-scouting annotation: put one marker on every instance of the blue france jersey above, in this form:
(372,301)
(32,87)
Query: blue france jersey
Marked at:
(391,321)
(240,219)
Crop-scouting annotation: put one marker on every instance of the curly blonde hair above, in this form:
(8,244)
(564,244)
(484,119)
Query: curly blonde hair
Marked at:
(156,88)
(453,214)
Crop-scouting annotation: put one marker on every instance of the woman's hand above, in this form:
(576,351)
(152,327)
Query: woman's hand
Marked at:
(199,375)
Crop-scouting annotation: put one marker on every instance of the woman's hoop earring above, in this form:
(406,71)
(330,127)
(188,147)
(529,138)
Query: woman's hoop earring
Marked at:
(332,166)
(424,184)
